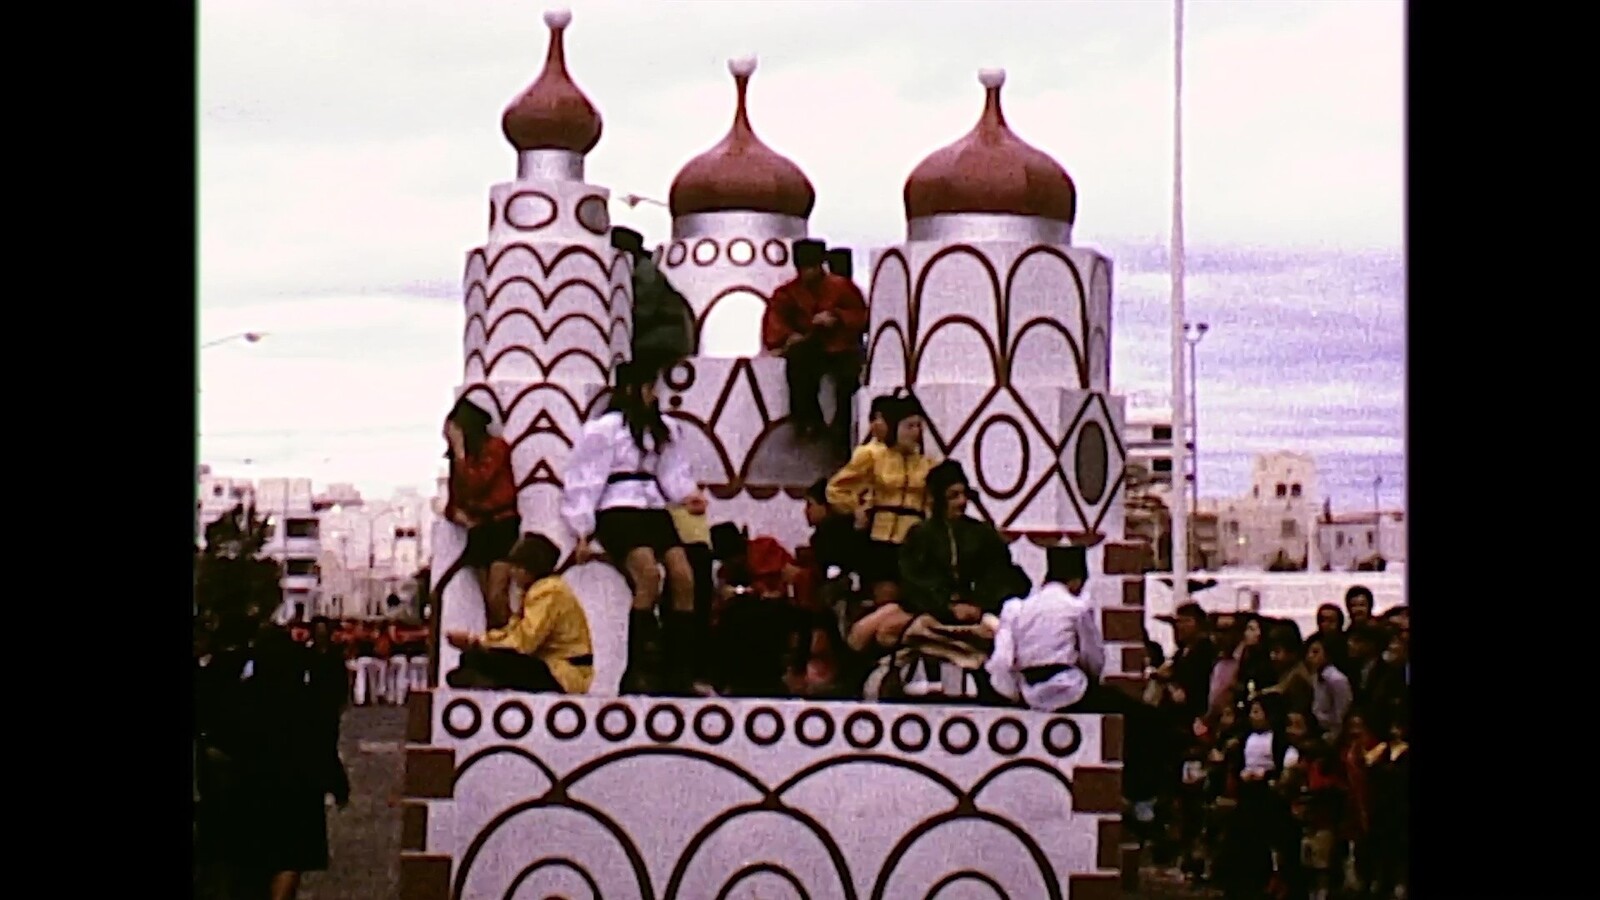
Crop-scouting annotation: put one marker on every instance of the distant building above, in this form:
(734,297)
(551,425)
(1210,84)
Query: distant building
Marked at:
(1347,543)
(1274,525)
(342,555)
(371,551)
(1147,435)
(295,538)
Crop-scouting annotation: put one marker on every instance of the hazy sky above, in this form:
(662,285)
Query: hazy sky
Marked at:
(347,149)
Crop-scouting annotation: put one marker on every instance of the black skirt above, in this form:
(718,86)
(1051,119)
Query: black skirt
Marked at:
(623,529)
(489,543)
(879,562)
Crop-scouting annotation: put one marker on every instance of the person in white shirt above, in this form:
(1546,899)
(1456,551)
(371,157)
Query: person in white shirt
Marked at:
(1047,647)
(627,467)
(1330,688)
(1049,655)
(1258,831)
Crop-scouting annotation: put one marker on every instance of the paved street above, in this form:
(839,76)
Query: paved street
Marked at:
(365,838)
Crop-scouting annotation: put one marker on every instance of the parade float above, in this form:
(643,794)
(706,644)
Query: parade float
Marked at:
(999,324)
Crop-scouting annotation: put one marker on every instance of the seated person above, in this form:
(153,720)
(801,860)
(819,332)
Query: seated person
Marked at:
(954,567)
(1048,649)
(816,322)
(748,634)
(627,468)
(546,647)
(1049,655)
(836,543)
(483,499)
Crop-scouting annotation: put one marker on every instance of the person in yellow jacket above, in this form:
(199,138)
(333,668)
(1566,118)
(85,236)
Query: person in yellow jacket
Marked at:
(885,487)
(545,648)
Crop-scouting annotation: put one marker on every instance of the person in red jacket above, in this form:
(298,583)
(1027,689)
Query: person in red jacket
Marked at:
(816,322)
(483,500)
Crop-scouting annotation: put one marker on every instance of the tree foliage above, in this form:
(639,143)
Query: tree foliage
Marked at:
(231,578)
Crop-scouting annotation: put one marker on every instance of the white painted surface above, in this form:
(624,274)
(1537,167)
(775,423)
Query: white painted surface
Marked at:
(690,811)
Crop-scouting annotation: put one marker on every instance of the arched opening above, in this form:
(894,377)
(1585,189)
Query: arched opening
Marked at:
(732,326)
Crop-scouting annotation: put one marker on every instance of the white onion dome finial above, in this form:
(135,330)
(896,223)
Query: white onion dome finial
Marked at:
(553,114)
(741,173)
(991,170)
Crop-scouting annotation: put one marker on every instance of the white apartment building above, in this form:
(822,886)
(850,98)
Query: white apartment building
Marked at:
(372,550)
(1277,519)
(1148,436)
(295,538)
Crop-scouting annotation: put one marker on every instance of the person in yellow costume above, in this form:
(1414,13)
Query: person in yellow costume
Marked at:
(885,487)
(545,648)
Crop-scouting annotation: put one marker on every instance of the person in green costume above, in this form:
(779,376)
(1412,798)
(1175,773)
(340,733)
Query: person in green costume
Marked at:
(663,326)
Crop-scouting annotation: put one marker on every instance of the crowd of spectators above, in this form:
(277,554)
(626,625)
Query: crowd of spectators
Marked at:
(1289,757)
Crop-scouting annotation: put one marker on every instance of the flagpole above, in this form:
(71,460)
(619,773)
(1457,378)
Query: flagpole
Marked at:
(1180,431)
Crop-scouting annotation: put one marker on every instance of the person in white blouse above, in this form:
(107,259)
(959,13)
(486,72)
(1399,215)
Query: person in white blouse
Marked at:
(1049,655)
(1258,830)
(627,467)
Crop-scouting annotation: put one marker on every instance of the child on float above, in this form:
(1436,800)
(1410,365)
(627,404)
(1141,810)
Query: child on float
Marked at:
(884,486)
(483,499)
(546,647)
(627,467)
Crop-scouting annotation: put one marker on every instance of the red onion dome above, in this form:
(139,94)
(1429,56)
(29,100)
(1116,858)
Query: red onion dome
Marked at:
(552,114)
(741,173)
(991,170)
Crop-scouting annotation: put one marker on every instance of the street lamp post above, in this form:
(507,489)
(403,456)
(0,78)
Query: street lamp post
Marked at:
(1192,335)
(1377,516)
(1180,498)
(249,337)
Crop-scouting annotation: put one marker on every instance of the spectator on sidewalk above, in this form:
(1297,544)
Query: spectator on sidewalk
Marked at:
(1225,634)
(1330,625)
(1358,602)
(1331,696)
(1374,683)
(1293,678)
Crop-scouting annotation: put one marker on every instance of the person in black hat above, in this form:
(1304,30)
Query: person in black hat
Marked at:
(952,566)
(1049,654)
(877,417)
(663,326)
(884,488)
(627,467)
(816,323)
(841,262)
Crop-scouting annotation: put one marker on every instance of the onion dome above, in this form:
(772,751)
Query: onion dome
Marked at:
(741,173)
(991,170)
(552,114)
